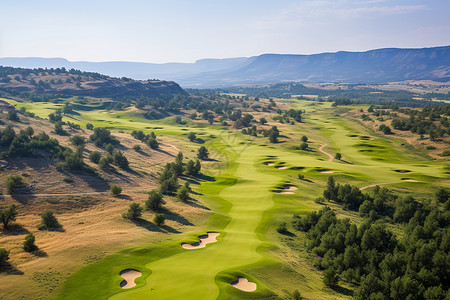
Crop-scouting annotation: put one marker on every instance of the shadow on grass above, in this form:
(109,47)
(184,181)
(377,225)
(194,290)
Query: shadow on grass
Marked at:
(39,253)
(15,229)
(125,197)
(152,227)
(9,269)
(307,180)
(172,216)
(287,233)
(343,290)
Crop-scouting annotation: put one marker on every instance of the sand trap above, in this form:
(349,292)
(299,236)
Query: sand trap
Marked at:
(326,172)
(244,285)
(270,164)
(129,275)
(204,239)
(281,168)
(409,180)
(290,188)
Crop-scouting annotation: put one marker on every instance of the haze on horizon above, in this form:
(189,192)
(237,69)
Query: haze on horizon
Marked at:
(185,31)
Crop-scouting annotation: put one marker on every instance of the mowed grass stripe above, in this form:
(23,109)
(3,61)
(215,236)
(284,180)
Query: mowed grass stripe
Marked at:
(191,274)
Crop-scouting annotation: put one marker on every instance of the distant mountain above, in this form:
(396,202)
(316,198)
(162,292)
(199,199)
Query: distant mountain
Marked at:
(379,65)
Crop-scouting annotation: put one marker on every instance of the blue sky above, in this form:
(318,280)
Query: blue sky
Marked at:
(184,31)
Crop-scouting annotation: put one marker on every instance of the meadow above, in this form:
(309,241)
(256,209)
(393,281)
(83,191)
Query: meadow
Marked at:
(240,189)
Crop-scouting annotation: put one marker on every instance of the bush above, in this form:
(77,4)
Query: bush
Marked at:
(338,156)
(120,159)
(330,277)
(110,148)
(89,126)
(4,256)
(115,189)
(7,215)
(183,194)
(446,153)
(12,115)
(296,295)
(13,182)
(159,220)
(95,156)
(301,176)
(137,148)
(48,220)
(134,212)
(304,138)
(103,163)
(68,179)
(303,146)
(28,244)
(154,201)
(192,136)
(77,140)
(282,228)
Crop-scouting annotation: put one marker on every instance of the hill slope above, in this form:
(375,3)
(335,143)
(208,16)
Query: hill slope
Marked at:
(78,83)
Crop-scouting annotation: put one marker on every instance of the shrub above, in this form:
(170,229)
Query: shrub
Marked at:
(183,194)
(103,163)
(134,212)
(12,115)
(77,140)
(7,215)
(159,220)
(13,182)
(304,138)
(282,228)
(89,126)
(68,179)
(110,148)
(301,176)
(137,148)
(446,153)
(4,256)
(120,159)
(28,244)
(115,189)
(296,295)
(95,156)
(48,220)
(303,146)
(338,156)
(154,201)
(192,136)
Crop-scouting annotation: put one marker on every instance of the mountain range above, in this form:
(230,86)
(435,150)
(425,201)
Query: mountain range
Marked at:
(380,65)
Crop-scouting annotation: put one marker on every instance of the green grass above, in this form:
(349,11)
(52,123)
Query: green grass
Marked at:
(245,210)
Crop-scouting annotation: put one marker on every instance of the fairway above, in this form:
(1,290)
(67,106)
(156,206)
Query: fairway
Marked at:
(191,274)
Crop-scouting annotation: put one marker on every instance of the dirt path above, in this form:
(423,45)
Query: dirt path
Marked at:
(329,155)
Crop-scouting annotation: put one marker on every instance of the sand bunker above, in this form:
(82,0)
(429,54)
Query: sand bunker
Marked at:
(204,239)
(409,180)
(282,168)
(326,172)
(270,164)
(290,188)
(244,285)
(129,275)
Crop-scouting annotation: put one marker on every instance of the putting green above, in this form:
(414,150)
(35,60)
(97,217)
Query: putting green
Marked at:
(191,274)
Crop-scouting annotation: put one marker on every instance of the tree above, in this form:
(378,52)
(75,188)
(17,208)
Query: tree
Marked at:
(48,220)
(304,138)
(28,244)
(183,194)
(137,148)
(338,156)
(191,168)
(153,143)
(12,115)
(203,153)
(4,256)
(13,182)
(159,220)
(8,214)
(191,136)
(104,164)
(115,189)
(303,146)
(155,201)
(120,159)
(198,167)
(301,176)
(330,277)
(77,140)
(296,295)
(95,156)
(134,212)
(59,128)
(274,134)
(262,121)
(89,126)
(442,195)
(110,148)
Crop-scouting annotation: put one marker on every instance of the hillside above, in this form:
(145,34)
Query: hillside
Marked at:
(76,83)
(380,65)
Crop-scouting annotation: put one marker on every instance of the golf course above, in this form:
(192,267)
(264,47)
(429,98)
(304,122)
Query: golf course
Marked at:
(248,188)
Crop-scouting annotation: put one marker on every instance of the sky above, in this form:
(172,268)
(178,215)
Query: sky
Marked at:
(184,31)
